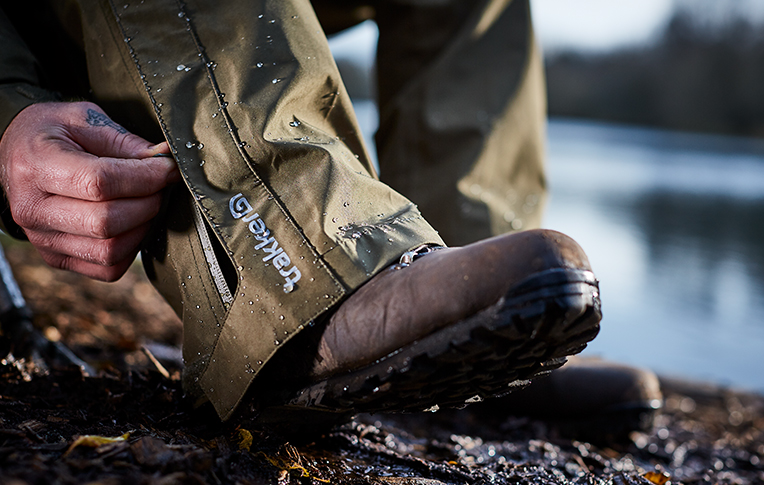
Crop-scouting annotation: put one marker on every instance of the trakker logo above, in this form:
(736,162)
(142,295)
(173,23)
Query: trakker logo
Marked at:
(241,209)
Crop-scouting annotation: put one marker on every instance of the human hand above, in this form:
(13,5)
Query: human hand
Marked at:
(82,188)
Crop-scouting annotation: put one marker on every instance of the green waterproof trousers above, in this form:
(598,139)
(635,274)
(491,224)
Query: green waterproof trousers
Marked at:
(281,214)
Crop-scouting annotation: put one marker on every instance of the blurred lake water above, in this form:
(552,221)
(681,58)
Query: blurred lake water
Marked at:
(674,227)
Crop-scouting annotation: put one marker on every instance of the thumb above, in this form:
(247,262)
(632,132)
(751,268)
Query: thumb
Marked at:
(101,136)
(158,150)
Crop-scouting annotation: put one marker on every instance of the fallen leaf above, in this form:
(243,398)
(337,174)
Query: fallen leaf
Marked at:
(658,478)
(94,441)
(245,439)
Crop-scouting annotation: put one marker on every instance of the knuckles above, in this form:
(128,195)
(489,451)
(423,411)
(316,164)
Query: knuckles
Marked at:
(24,212)
(106,252)
(61,250)
(69,263)
(93,184)
(103,221)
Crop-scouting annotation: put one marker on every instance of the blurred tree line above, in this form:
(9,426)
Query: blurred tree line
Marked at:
(701,75)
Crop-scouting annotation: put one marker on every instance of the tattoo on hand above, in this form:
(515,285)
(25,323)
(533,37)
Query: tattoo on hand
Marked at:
(98,119)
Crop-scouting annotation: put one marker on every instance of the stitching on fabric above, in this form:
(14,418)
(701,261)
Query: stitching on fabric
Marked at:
(234,134)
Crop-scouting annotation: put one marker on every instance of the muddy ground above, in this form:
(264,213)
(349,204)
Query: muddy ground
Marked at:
(53,426)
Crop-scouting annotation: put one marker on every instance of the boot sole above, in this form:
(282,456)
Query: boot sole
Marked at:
(526,334)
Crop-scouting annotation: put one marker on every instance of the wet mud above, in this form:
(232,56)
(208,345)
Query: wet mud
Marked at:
(131,424)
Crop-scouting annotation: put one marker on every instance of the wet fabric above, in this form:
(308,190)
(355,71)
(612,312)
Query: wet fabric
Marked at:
(281,214)
(462,109)
(462,114)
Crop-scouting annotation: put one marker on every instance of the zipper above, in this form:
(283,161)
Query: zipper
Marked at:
(212,261)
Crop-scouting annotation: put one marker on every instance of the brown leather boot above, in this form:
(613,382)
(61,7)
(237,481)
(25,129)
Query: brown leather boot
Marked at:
(588,398)
(451,327)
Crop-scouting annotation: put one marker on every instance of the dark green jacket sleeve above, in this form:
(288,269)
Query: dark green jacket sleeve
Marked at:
(19,88)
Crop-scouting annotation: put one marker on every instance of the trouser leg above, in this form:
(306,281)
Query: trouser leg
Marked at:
(281,214)
(462,113)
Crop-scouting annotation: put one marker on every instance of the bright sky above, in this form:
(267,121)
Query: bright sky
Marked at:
(587,25)
(597,25)
(581,24)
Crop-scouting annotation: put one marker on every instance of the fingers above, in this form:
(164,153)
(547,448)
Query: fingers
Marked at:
(102,252)
(99,220)
(81,186)
(101,259)
(99,241)
(84,176)
(74,150)
(91,270)
(96,133)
